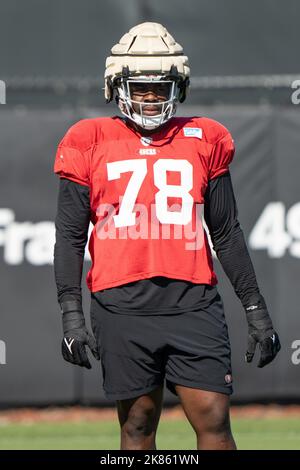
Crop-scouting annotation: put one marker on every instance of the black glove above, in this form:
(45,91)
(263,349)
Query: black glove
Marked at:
(76,335)
(261,331)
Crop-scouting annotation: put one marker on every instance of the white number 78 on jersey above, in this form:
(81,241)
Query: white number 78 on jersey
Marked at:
(127,216)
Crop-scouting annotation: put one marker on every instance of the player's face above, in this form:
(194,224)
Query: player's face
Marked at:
(151,95)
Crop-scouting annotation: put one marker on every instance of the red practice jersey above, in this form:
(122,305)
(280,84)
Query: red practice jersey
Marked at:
(146,196)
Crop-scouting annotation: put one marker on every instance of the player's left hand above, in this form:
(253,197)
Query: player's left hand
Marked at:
(261,331)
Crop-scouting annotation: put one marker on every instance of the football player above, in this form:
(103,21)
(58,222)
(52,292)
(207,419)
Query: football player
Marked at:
(145,180)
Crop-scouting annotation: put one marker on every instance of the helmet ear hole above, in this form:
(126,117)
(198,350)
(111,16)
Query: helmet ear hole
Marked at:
(125,72)
(183,90)
(174,71)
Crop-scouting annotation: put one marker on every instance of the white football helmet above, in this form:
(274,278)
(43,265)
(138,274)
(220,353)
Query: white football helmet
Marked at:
(147,54)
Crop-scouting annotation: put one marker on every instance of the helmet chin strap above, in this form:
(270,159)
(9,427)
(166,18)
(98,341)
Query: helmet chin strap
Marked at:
(147,122)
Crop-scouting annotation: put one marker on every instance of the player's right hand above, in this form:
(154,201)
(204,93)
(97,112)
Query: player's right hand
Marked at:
(76,336)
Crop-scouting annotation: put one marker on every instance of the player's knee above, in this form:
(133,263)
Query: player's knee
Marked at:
(213,417)
(140,423)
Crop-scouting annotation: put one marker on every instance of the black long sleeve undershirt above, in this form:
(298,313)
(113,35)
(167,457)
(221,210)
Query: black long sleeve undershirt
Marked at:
(71,224)
(220,212)
(221,217)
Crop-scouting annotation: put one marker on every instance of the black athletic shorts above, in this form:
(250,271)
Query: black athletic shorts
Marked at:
(139,352)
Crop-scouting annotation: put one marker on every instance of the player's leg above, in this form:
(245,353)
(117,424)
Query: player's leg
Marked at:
(198,370)
(132,361)
(208,413)
(139,419)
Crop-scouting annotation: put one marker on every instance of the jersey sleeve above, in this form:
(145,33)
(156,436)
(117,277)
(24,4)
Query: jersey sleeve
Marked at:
(221,156)
(72,160)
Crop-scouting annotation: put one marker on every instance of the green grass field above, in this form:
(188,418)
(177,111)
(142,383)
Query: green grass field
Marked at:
(173,434)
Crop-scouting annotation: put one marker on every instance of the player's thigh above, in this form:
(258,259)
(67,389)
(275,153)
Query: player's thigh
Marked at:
(198,350)
(130,352)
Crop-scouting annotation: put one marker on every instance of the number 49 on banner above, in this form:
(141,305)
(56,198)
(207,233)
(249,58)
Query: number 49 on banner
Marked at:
(277,230)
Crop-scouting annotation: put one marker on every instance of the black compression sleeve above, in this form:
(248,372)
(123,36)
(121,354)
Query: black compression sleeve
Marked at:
(221,217)
(71,223)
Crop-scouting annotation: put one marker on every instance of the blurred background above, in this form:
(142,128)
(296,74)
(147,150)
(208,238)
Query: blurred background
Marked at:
(245,67)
